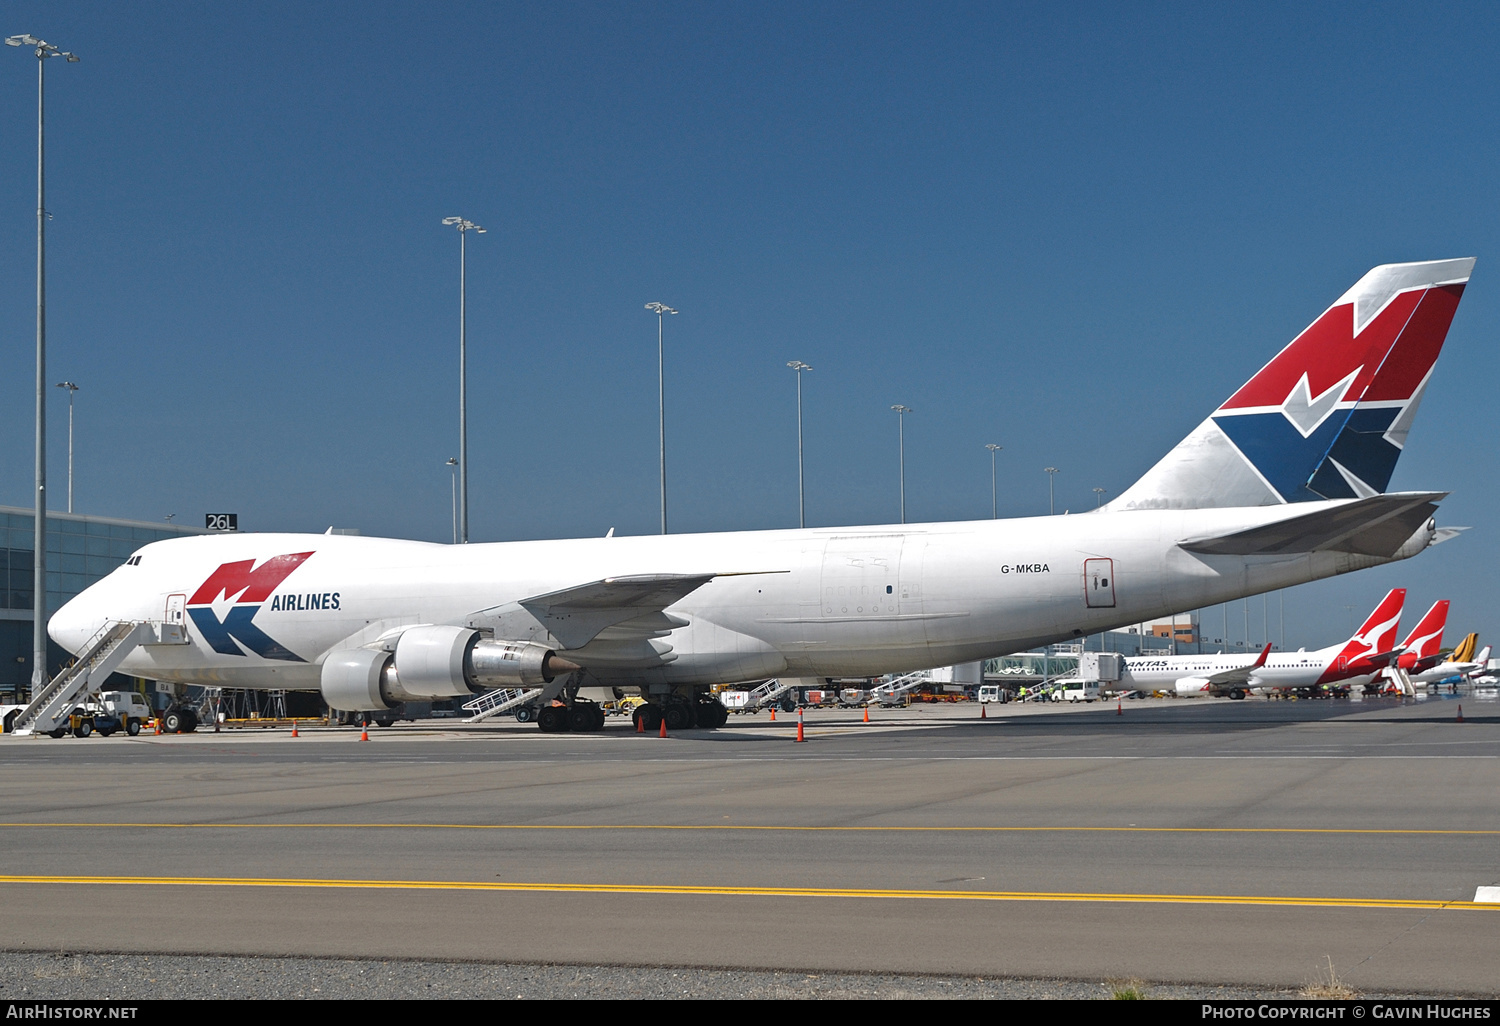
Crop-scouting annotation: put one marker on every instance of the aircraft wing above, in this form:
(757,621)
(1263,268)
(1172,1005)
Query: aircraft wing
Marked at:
(1377,525)
(1240,674)
(575,616)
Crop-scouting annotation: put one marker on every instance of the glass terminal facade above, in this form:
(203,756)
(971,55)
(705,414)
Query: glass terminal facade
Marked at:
(80,550)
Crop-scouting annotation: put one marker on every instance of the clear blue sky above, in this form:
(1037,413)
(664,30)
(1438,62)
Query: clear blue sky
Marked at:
(1069,230)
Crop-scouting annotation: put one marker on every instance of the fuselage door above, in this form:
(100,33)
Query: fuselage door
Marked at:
(174,622)
(1099,583)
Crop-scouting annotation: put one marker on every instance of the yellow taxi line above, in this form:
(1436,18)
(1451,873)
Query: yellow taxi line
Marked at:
(757,892)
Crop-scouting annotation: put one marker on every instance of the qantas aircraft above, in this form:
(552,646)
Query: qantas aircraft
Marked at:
(1361,657)
(1283,484)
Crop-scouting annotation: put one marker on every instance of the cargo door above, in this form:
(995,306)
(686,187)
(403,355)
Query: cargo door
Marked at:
(861,576)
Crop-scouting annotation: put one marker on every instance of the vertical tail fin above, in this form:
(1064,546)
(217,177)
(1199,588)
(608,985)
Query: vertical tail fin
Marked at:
(1378,632)
(1464,653)
(1328,417)
(1426,638)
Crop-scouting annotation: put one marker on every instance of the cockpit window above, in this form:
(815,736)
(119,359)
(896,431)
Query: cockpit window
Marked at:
(133,561)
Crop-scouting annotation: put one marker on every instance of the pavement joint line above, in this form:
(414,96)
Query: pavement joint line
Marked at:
(758,892)
(754,827)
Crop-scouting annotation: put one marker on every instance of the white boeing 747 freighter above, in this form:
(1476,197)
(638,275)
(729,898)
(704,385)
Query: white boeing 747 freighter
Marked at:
(1282,484)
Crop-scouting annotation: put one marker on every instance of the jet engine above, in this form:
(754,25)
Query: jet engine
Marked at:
(1190,686)
(434,663)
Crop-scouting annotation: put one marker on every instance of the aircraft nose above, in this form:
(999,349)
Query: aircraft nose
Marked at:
(76,622)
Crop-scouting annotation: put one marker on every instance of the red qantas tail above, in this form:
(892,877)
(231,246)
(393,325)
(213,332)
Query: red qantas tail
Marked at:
(1378,633)
(1426,638)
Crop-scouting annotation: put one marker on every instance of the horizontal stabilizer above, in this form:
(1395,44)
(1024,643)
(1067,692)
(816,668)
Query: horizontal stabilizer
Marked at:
(1375,526)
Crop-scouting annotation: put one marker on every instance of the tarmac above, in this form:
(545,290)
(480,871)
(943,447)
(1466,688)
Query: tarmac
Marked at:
(1190,844)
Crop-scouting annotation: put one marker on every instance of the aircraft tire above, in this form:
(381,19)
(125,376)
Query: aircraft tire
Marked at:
(171,722)
(679,716)
(525,714)
(649,718)
(581,718)
(552,719)
(1236,694)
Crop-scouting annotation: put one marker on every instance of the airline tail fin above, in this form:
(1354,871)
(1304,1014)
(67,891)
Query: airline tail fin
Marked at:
(1426,638)
(1378,632)
(1328,417)
(1464,653)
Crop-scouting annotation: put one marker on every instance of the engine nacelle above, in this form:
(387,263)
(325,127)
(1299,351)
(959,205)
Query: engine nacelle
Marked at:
(434,663)
(1191,687)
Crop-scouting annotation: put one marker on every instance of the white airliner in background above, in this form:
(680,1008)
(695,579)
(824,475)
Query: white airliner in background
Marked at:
(1357,660)
(1283,484)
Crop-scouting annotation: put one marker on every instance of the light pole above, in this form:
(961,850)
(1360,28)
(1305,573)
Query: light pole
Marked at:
(71,389)
(661,310)
(901,412)
(799,367)
(464,228)
(1098,497)
(1051,476)
(994,499)
(452,466)
(43,50)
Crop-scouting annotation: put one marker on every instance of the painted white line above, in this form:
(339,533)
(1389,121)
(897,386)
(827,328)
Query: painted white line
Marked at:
(1487,895)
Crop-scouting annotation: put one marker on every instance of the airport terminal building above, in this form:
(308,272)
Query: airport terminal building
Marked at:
(81,549)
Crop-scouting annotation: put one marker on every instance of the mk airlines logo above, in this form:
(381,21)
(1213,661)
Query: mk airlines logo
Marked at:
(246,586)
(1327,418)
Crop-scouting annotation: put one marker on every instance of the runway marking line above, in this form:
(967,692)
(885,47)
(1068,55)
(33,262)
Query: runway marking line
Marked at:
(755,892)
(758,827)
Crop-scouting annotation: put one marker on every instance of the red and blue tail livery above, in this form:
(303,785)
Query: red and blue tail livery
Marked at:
(1328,417)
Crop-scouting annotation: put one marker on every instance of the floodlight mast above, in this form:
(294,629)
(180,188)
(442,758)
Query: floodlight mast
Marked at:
(994,500)
(43,50)
(661,310)
(901,412)
(799,367)
(464,228)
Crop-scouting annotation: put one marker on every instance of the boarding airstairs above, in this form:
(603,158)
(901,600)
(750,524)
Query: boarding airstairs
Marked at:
(1400,680)
(767,694)
(493,703)
(891,691)
(103,654)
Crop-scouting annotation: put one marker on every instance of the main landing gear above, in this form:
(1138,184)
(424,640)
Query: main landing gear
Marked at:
(680,713)
(580,717)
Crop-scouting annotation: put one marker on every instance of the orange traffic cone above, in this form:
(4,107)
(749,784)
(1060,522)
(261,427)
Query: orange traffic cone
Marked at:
(158,724)
(773,714)
(982,707)
(1119,708)
(663,727)
(294,728)
(640,724)
(364,731)
(1460,712)
(867,714)
(799,725)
